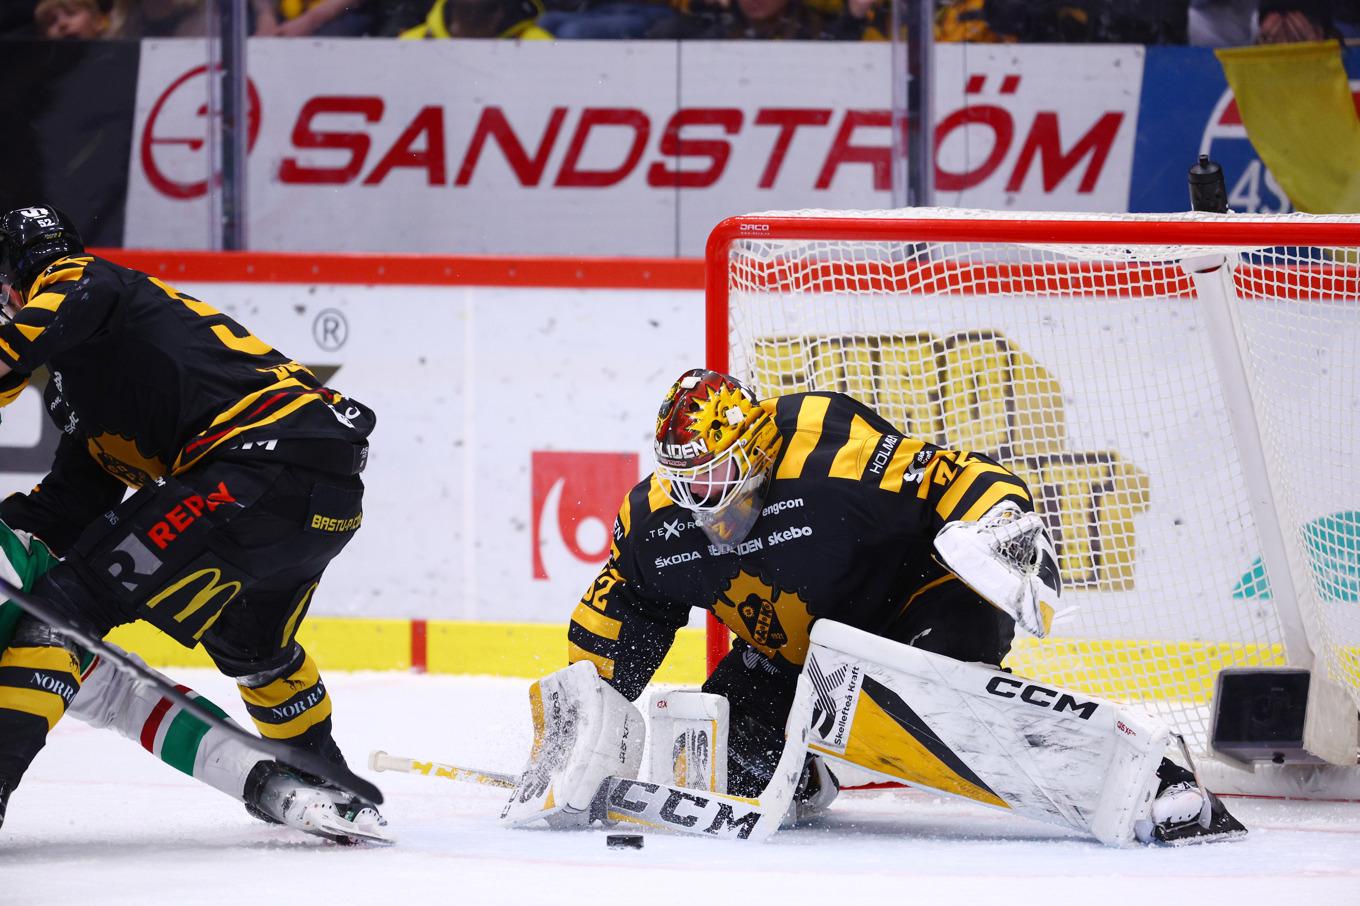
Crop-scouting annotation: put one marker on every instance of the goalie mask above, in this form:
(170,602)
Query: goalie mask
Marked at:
(714,447)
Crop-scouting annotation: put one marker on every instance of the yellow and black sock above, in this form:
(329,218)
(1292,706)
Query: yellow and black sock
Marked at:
(293,707)
(37,684)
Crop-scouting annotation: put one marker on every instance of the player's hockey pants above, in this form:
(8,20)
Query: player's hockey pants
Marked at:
(228,554)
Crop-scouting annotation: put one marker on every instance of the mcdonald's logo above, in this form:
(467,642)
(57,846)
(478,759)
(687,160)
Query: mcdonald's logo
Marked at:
(212,589)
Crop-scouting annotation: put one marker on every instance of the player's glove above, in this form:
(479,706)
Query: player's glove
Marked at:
(1008,558)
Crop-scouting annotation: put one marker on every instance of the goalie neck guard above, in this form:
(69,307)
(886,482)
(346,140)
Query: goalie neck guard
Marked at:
(714,447)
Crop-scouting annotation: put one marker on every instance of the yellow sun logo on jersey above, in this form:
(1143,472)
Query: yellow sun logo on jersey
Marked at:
(773,621)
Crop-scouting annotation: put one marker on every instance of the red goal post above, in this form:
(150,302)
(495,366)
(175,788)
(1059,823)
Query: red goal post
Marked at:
(1182,393)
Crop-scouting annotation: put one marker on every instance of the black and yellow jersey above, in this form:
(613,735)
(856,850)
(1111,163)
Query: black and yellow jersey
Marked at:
(845,532)
(149,380)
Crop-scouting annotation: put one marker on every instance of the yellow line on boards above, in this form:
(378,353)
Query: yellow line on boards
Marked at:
(451,646)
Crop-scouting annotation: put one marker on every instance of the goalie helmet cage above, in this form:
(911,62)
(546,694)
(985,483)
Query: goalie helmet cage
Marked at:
(1180,392)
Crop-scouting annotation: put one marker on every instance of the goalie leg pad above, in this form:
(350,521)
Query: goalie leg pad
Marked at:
(687,739)
(982,734)
(584,732)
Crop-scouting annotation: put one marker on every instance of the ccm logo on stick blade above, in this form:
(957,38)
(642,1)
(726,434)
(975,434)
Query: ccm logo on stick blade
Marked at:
(682,810)
(1039,696)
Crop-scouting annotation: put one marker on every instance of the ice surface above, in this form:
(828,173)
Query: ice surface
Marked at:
(99,821)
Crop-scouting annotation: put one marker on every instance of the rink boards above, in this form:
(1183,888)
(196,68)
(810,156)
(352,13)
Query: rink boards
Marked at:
(512,418)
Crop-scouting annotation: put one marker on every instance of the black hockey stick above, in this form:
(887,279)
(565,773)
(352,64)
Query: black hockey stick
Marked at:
(305,761)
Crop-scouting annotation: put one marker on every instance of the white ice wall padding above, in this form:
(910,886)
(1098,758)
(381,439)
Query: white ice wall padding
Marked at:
(1084,360)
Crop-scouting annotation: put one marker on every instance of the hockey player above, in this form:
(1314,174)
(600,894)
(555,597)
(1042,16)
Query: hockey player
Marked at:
(772,515)
(110,698)
(245,473)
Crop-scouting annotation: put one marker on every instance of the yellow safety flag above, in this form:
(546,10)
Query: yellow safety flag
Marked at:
(1295,102)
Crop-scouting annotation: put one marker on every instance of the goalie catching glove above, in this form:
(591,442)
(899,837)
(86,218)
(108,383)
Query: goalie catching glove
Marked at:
(1008,558)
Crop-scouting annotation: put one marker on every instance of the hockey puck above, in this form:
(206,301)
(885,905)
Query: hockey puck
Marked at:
(624,841)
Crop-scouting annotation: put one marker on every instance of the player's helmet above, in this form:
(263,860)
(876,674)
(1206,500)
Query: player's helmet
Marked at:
(715,444)
(32,238)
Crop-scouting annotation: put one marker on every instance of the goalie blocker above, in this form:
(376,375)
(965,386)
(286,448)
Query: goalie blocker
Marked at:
(903,714)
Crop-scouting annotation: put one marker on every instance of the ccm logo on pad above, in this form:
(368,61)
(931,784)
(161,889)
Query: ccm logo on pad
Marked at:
(1039,696)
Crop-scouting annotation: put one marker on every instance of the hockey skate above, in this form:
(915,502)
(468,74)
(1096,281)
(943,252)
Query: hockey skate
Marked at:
(280,795)
(817,789)
(1184,813)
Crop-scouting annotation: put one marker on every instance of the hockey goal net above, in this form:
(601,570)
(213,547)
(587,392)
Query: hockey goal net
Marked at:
(1181,393)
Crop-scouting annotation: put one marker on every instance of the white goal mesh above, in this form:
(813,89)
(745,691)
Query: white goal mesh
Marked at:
(1165,411)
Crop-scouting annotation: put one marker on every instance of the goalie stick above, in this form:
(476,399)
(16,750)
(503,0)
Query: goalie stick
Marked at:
(301,759)
(653,805)
(378,760)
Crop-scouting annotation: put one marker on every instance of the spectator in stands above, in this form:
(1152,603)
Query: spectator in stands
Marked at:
(801,20)
(17,21)
(162,18)
(323,18)
(1290,21)
(965,21)
(1222,23)
(609,19)
(483,19)
(83,20)
(1088,21)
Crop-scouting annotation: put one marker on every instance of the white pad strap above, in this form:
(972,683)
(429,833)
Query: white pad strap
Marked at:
(687,739)
(983,734)
(1008,558)
(584,732)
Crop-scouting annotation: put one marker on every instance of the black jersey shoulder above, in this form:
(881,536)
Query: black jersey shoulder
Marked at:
(832,435)
(647,513)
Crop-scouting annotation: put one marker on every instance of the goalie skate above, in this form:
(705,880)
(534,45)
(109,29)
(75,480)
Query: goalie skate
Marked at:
(1183,813)
(275,793)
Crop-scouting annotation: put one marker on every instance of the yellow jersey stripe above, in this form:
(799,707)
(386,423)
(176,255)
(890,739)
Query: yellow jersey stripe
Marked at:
(897,466)
(847,461)
(810,416)
(993,495)
(596,623)
(626,515)
(283,412)
(960,485)
(934,583)
(75,267)
(250,399)
(8,350)
(604,665)
(30,332)
(657,498)
(46,301)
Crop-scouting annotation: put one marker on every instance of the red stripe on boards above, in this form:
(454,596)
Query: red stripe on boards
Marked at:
(419,646)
